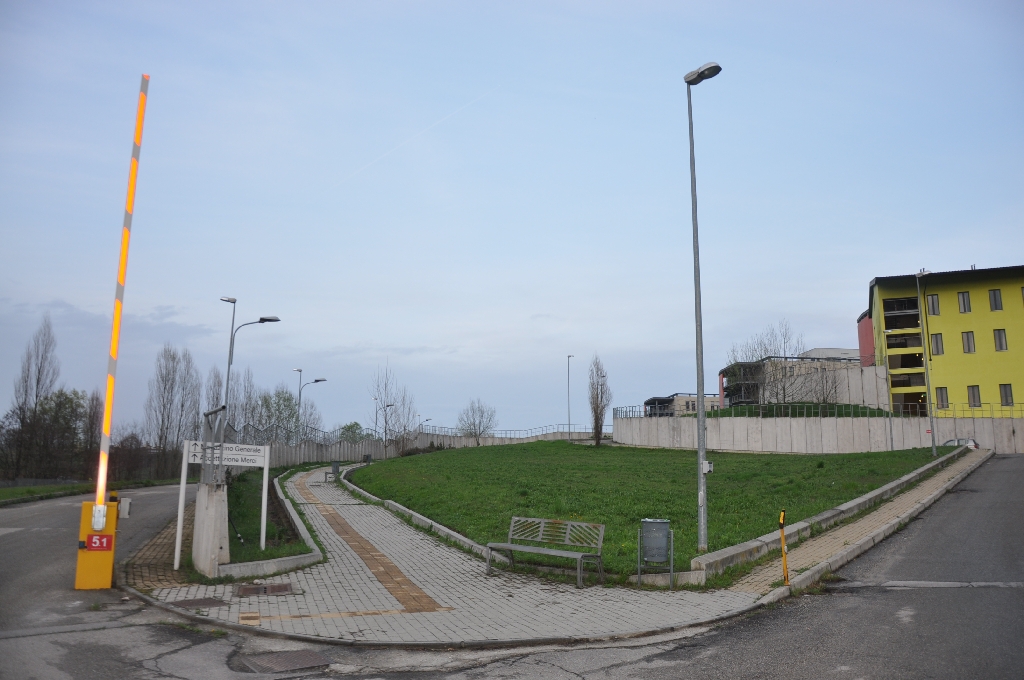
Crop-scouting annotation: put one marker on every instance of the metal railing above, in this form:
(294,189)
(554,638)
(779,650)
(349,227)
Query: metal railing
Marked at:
(984,410)
(514,434)
(252,434)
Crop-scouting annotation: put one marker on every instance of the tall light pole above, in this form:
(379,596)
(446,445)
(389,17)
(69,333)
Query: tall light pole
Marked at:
(301,385)
(231,360)
(926,345)
(568,399)
(709,70)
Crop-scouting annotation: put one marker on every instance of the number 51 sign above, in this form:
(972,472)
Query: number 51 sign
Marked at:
(99,542)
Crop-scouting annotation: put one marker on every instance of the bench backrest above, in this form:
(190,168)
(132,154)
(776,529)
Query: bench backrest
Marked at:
(557,531)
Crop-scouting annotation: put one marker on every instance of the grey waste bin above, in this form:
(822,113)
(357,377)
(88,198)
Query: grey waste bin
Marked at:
(335,466)
(655,545)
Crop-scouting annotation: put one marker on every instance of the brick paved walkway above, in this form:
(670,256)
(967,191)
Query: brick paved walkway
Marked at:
(152,566)
(387,582)
(820,548)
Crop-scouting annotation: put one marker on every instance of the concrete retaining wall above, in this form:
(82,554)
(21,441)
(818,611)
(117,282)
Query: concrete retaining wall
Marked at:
(818,435)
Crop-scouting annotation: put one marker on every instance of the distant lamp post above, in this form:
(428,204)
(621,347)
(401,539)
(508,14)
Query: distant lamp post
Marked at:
(301,385)
(922,312)
(568,398)
(705,72)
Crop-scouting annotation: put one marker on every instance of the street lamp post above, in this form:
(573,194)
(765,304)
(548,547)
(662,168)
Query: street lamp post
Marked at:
(926,345)
(709,70)
(568,399)
(227,381)
(301,385)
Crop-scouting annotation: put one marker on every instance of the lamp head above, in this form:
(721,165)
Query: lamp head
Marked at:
(708,70)
(268,319)
(320,380)
(297,369)
(231,300)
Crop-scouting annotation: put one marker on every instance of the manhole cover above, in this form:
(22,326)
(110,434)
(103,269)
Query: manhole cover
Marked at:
(249,618)
(269,589)
(200,603)
(277,662)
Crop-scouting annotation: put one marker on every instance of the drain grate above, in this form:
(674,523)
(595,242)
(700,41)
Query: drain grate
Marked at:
(269,589)
(200,603)
(277,662)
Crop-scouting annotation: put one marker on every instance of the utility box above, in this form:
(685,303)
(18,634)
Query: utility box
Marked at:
(655,546)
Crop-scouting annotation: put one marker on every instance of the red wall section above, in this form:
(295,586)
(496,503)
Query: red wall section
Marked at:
(866,341)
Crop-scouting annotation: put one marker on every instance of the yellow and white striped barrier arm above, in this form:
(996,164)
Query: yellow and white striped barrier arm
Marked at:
(99,515)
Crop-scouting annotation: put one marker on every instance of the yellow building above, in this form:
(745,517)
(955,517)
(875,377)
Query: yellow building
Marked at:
(973,336)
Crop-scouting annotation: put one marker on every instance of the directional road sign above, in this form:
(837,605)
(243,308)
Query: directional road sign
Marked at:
(236,455)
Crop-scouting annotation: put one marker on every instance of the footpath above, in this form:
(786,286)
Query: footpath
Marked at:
(385,583)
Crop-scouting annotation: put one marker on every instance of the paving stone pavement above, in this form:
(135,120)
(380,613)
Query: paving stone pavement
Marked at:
(153,565)
(820,548)
(395,584)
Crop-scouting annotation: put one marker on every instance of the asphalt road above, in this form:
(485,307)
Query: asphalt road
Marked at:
(38,553)
(855,628)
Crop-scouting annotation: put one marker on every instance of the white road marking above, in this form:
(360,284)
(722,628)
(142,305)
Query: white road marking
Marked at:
(8,530)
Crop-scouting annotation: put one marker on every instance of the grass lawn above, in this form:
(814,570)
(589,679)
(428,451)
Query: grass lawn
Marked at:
(86,487)
(476,491)
(245,495)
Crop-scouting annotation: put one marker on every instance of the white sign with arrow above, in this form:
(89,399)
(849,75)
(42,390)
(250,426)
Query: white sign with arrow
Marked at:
(235,455)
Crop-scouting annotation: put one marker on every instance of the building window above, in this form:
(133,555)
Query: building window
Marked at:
(965,302)
(1006,395)
(936,343)
(995,300)
(968,342)
(973,396)
(933,305)
(1000,334)
(941,397)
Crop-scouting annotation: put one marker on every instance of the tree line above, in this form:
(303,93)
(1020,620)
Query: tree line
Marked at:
(51,431)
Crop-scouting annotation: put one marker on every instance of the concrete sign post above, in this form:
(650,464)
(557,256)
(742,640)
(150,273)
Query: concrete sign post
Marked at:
(228,455)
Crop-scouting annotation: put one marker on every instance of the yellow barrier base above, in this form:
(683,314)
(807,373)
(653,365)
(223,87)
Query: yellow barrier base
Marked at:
(95,570)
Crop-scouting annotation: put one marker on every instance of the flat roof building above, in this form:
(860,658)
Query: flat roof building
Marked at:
(968,326)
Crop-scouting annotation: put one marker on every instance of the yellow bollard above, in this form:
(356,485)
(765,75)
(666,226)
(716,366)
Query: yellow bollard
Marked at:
(782,537)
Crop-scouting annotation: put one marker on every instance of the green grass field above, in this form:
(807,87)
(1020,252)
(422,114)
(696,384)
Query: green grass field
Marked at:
(476,491)
(245,495)
(86,487)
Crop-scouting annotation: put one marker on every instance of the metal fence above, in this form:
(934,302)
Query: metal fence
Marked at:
(516,434)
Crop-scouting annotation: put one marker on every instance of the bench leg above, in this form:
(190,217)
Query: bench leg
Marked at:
(600,569)
(579,573)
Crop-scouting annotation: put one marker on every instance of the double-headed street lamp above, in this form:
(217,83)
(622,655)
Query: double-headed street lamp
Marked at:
(231,360)
(709,70)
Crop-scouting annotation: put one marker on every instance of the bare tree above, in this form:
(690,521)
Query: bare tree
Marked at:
(477,420)
(40,369)
(776,380)
(214,389)
(600,397)
(172,406)
(395,410)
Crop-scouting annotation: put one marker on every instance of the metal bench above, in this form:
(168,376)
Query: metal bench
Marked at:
(554,532)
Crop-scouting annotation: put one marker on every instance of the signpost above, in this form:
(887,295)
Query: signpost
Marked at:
(233,455)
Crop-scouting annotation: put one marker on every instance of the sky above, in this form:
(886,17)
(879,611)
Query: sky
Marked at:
(467,193)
